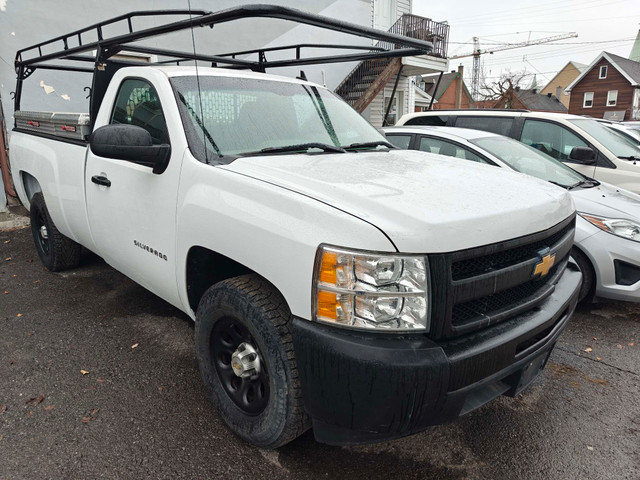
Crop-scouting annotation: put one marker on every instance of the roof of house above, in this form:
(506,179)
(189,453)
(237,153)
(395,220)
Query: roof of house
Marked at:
(537,101)
(628,68)
(579,66)
(447,79)
(422,97)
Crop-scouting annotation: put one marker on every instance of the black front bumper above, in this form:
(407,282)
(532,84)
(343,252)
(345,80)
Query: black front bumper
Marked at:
(362,387)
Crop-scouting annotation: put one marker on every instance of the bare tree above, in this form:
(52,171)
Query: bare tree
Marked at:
(504,86)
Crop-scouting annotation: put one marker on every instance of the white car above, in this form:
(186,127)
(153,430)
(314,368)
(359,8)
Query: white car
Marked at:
(607,240)
(585,144)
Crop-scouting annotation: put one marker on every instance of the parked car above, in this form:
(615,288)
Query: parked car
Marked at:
(328,286)
(622,129)
(601,153)
(607,239)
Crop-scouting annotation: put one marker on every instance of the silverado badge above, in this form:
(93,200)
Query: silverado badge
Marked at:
(546,262)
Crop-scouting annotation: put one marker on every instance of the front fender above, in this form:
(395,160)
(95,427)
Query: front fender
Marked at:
(271,230)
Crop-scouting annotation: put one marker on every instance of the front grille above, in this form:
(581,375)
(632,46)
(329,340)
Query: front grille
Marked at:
(474,288)
(468,311)
(488,263)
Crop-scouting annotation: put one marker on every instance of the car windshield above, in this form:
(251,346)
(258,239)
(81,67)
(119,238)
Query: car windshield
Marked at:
(528,160)
(631,134)
(615,142)
(234,116)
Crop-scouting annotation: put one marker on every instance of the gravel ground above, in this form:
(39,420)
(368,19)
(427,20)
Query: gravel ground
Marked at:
(142,412)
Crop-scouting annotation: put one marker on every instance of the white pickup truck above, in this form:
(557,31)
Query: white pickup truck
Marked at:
(335,281)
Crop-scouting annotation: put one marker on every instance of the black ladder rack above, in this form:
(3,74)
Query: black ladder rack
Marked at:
(70,47)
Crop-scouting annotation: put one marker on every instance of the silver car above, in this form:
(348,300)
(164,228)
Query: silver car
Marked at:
(607,243)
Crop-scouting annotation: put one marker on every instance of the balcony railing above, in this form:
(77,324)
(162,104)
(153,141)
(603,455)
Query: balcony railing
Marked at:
(422,28)
(363,75)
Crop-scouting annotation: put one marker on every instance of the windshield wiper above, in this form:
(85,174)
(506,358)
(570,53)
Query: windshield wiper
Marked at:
(568,187)
(301,147)
(378,143)
(630,157)
(587,183)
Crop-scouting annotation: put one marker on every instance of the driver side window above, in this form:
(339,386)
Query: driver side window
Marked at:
(550,138)
(137,104)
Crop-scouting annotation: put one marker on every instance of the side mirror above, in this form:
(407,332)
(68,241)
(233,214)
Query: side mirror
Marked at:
(584,155)
(130,143)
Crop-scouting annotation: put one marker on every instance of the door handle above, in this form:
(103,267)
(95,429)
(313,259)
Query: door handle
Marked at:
(101,180)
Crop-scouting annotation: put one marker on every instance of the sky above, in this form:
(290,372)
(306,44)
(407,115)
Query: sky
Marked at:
(609,25)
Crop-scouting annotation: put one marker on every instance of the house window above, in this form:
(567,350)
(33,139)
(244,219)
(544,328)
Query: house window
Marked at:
(603,72)
(588,100)
(612,98)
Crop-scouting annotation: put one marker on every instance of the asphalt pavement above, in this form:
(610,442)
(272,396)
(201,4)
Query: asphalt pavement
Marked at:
(98,379)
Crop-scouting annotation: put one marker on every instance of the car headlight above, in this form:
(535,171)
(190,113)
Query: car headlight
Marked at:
(617,226)
(371,290)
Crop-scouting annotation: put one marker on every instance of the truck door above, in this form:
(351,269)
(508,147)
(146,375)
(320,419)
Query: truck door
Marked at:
(131,210)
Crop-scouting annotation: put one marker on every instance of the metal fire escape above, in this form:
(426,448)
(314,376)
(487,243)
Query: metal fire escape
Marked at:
(369,77)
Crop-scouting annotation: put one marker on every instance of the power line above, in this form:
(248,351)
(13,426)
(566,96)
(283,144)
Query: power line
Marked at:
(599,42)
(509,16)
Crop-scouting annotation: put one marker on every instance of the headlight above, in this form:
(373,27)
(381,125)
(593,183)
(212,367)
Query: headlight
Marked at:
(617,226)
(371,290)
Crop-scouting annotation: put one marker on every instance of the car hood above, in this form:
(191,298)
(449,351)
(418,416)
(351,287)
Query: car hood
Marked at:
(423,202)
(608,201)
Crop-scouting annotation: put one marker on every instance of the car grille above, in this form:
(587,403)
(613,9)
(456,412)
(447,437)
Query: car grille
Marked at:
(475,288)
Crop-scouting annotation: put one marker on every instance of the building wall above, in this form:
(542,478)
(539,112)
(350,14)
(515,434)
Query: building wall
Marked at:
(448,98)
(26,22)
(591,83)
(563,79)
(377,108)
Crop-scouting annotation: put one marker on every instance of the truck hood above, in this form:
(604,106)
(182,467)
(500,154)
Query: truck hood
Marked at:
(424,203)
(608,201)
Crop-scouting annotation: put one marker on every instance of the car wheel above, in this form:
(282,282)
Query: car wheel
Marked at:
(56,251)
(588,287)
(247,362)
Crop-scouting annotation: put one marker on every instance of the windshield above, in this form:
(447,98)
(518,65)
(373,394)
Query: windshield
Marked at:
(234,116)
(615,142)
(528,160)
(633,135)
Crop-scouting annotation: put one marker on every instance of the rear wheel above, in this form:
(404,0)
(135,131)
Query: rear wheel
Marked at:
(56,251)
(588,288)
(247,362)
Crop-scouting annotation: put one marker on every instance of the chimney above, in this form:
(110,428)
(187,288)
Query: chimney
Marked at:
(558,91)
(534,90)
(549,94)
(517,89)
(459,81)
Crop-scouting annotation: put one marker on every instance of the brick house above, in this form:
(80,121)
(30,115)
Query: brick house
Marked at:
(529,99)
(608,88)
(451,85)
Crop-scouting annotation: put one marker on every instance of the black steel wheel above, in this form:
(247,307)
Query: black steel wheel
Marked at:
(247,362)
(56,251)
(250,394)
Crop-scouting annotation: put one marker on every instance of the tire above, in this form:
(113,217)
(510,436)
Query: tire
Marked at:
(241,310)
(56,251)
(588,287)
